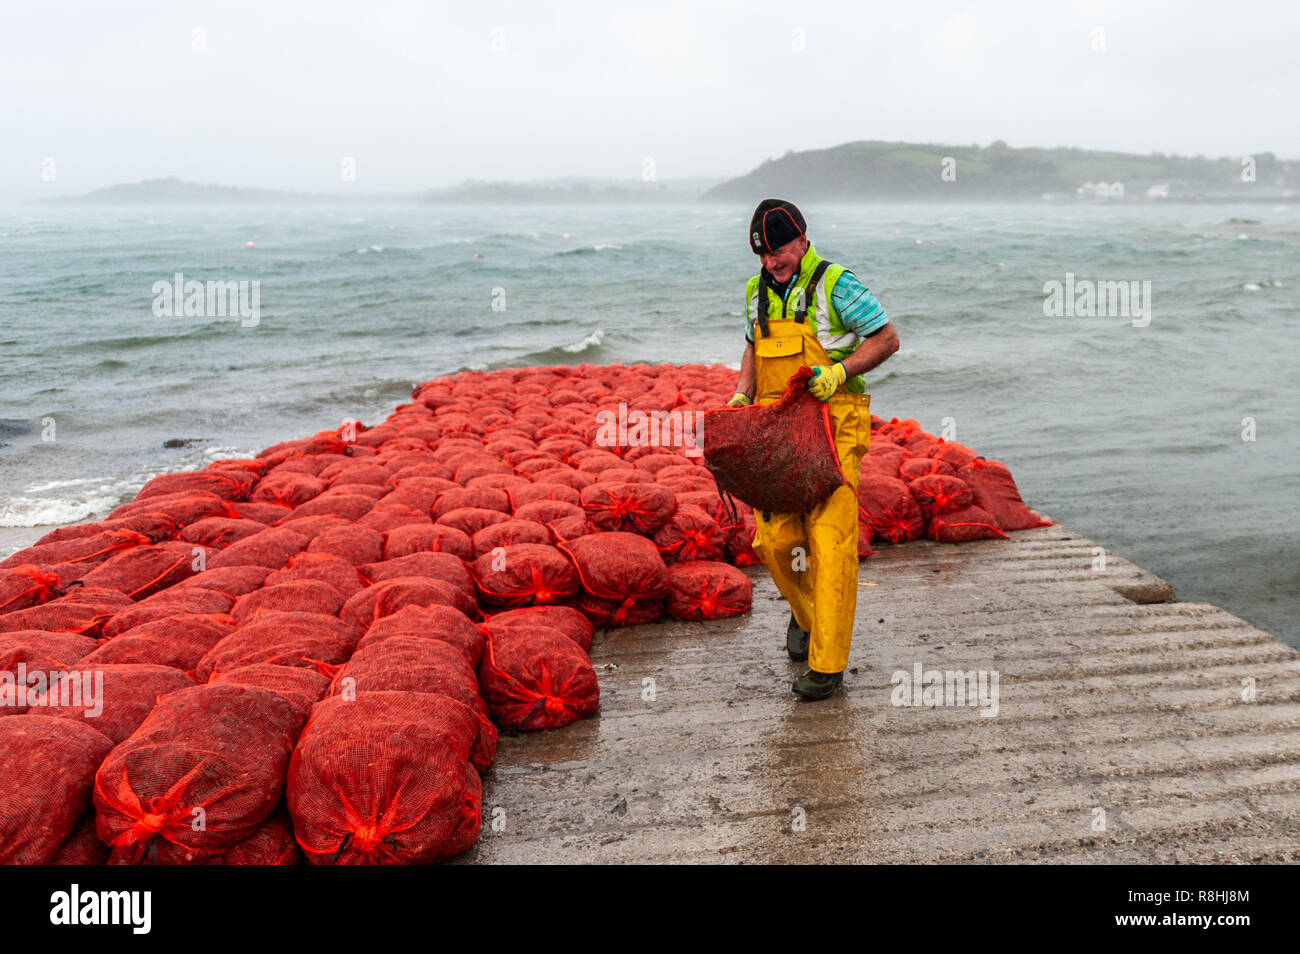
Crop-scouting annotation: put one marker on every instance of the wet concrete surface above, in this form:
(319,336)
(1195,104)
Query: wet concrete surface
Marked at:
(1129,728)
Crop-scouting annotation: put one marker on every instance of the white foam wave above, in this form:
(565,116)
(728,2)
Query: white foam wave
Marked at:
(591,341)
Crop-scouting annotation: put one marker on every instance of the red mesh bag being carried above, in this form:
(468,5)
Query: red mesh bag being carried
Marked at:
(121,696)
(47,769)
(887,505)
(566,619)
(26,585)
(962,525)
(996,492)
(215,754)
(779,457)
(271,843)
(286,639)
(624,579)
(387,779)
(707,589)
(524,574)
(443,623)
(635,507)
(535,678)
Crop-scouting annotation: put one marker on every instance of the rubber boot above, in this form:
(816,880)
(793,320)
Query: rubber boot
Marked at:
(817,685)
(796,641)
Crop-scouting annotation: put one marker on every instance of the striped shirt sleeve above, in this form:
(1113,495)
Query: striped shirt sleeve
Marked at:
(857,307)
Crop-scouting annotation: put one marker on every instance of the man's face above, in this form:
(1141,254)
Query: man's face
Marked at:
(784,261)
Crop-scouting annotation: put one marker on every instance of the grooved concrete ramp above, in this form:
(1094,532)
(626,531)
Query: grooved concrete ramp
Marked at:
(1121,731)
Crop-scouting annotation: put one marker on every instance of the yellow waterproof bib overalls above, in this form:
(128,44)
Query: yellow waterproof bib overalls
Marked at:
(813,557)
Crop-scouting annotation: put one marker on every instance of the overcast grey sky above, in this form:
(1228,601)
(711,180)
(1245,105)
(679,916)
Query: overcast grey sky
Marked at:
(276,94)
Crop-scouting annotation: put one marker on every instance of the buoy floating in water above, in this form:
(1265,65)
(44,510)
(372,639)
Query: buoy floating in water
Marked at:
(250,244)
(477,255)
(564,235)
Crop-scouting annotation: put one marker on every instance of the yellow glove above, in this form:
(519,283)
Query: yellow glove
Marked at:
(826,380)
(740,399)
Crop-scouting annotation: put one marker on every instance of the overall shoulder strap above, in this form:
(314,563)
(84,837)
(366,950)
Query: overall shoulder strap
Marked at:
(761,305)
(801,308)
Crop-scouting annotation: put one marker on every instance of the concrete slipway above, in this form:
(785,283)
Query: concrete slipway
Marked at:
(1117,707)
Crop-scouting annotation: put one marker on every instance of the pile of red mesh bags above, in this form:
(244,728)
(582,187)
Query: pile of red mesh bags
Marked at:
(397,590)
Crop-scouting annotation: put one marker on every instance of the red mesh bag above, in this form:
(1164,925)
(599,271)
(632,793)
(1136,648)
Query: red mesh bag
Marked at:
(497,481)
(657,463)
(183,508)
(443,623)
(964,524)
(958,455)
(163,606)
(387,517)
(549,511)
(47,769)
(996,492)
(565,619)
(418,492)
(27,585)
(470,520)
(740,540)
(888,506)
(37,652)
(355,472)
(83,846)
(435,566)
(506,533)
(270,548)
(690,534)
(707,589)
(543,490)
(327,568)
(938,494)
(624,579)
(482,498)
(220,531)
(271,843)
(264,513)
(349,506)
(313,527)
(687,483)
(535,678)
(539,466)
(177,641)
(308,596)
(302,688)
(143,571)
(387,779)
(84,552)
(357,545)
(624,475)
(83,610)
(118,703)
(388,596)
(593,461)
(524,574)
(287,489)
(227,486)
(576,479)
(569,528)
(915,467)
(437,538)
(231,580)
(779,457)
(222,749)
(285,639)
(410,664)
(153,524)
(637,508)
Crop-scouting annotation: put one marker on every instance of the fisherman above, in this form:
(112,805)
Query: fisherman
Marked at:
(803,310)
